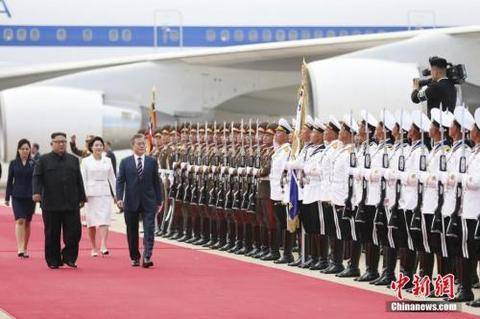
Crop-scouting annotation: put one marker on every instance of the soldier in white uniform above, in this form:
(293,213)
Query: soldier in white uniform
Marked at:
(453,181)
(367,197)
(297,165)
(332,226)
(279,161)
(411,200)
(471,200)
(312,213)
(434,243)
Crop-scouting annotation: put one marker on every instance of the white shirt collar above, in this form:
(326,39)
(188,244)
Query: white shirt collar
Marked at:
(137,157)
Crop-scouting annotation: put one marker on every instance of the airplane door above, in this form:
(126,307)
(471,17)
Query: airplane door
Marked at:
(168,30)
(421,19)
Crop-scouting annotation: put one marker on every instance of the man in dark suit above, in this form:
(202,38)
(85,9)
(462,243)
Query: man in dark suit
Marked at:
(58,186)
(139,192)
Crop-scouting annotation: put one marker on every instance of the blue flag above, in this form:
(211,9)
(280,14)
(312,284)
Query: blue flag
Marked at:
(293,207)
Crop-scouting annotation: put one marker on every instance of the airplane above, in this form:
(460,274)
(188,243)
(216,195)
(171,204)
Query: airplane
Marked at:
(88,67)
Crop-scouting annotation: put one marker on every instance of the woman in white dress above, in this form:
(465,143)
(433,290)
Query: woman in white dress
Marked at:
(99,180)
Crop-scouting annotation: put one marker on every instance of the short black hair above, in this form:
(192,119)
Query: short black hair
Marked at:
(438,62)
(93,140)
(36,146)
(55,134)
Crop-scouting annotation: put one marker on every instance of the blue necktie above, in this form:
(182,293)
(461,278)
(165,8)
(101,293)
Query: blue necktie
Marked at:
(140,168)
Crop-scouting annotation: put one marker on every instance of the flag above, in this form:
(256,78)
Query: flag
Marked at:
(152,125)
(293,206)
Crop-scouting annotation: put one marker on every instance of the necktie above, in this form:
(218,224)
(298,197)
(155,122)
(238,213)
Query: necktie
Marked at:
(140,168)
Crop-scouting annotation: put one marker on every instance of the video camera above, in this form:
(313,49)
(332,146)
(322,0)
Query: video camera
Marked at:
(455,73)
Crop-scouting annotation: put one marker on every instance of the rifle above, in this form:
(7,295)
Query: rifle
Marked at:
(381,214)
(212,194)
(394,221)
(174,186)
(247,179)
(238,185)
(196,162)
(221,191)
(437,222)
(252,197)
(203,178)
(361,216)
(348,209)
(228,180)
(416,223)
(453,229)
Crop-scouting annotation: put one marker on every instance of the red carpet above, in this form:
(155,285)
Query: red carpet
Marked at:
(183,284)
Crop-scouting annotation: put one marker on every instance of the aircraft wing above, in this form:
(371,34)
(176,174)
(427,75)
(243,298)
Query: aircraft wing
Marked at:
(278,56)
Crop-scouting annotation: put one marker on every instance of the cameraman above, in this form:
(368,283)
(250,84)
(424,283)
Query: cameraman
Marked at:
(439,91)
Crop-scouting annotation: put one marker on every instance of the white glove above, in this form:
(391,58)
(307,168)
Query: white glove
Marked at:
(222,170)
(214,168)
(170,179)
(204,168)
(240,170)
(189,167)
(231,170)
(183,165)
(174,165)
(255,171)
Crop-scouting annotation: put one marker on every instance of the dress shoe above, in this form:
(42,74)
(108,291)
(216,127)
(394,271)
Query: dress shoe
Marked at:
(191,240)
(368,276)
(26,255)
(296,263)
(218,245)
(372,282)
(93,253)
(321,264)
(252,252)
(308,262)
(271,256)
(475,303)
(385,280)
(177,236)
(184,238)
(463,295)
(53,266)
(20,254)
(349,273)
(286,259)
(70,264)
(333,269)
(243,251)
(158,233)
(476,285)
(209,243)
(135,263)
(262,253)
(147,263)
(227,246)
(105,252)
(236,247)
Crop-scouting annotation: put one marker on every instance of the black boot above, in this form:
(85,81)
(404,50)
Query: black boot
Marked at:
(273,253)
(336,265)
(465,292)
(256,242)
(287,256)
(352,269)
(247,239)
(230,237)
(265,243)
(372,259)
(213,233)
(390,256)
(407,265)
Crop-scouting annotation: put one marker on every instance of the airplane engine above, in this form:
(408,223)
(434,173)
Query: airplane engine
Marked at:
(34,112)
(340,85)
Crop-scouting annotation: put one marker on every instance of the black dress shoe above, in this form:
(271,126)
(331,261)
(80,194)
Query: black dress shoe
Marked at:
(53,266)
(191,240)
(70,264)
(296,263)
(385,281)
(135,263)
(475,303)
(147,263)
(368,276)
(378,279)
(218,245)
(21,255)
(243,251)
(226,247)
(271,256)
(333,269)
(320,265)
(349,273)
(286,259)
(252,252)
(262,253)
(463,295)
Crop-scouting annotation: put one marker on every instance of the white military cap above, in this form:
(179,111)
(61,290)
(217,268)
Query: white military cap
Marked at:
(284,126)
(388,118)
(318,125)
(334,123)
(403,119)
(309,122)
(477,117)
(464,117)
(369,118)
(420,120)
(349,121)
(445,117)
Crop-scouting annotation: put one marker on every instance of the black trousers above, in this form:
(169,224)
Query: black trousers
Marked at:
(56,222)
(131,220)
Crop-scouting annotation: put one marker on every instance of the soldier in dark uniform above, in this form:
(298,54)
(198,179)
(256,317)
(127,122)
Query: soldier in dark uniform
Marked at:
(181,180)
(440,91)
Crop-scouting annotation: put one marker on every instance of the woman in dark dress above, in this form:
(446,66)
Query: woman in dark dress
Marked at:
(19,189)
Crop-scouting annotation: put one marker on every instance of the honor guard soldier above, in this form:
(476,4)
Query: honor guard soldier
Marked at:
(434,240)
(312,213)
(471,202)
(458,229)
(277,187)
(332,225)
(366,198)
(297,168)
